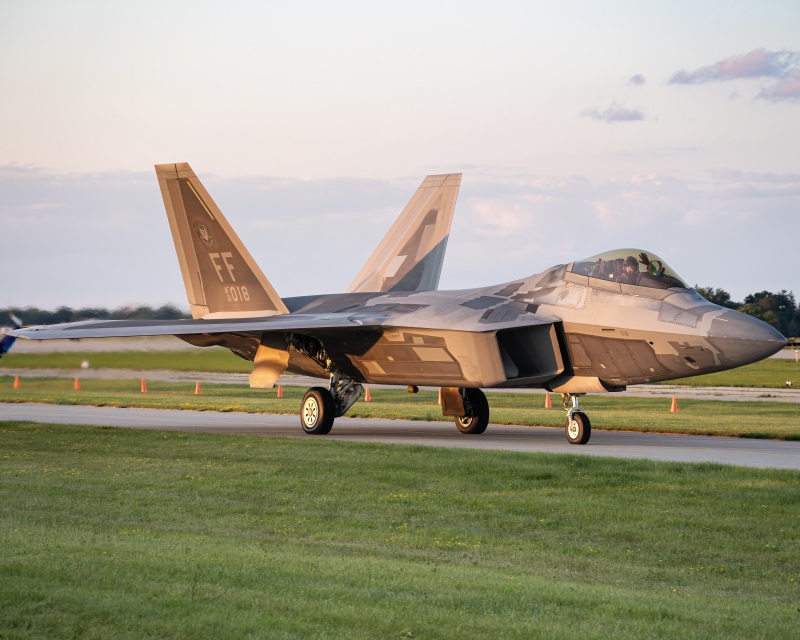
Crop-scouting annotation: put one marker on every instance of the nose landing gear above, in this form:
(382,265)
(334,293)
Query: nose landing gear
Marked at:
(578,427)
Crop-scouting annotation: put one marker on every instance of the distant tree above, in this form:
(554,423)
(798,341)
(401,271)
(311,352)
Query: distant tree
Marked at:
(778,309)
(169,312)
(768,316)
(91,313)
(717,296)
(133,312)
(32,315)
(62,314)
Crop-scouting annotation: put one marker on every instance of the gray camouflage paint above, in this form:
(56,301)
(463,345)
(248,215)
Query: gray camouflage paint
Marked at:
(558,330)
(410,255)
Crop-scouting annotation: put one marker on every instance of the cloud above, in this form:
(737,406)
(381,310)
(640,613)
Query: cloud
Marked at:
(614,113)
(781,70)
(786,89)
(758,63)
(110,243)
(636,80)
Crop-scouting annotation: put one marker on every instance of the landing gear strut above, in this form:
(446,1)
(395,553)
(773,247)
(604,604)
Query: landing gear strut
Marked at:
(578,428)
(322,406)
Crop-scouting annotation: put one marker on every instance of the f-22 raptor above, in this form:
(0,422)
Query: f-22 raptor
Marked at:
(597,324)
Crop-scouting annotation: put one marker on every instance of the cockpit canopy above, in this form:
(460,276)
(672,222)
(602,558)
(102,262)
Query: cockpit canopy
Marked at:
(629,266)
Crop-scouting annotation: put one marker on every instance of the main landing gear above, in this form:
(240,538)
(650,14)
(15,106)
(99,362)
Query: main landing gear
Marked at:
(477,408)
(578,428)
(322,406)
(469,407)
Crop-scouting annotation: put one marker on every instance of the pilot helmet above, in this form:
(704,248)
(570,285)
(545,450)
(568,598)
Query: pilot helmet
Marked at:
(631,261)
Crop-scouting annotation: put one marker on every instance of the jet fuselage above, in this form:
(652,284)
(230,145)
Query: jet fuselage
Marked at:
(557,330)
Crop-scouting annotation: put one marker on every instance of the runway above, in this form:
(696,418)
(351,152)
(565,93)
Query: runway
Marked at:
(767,454)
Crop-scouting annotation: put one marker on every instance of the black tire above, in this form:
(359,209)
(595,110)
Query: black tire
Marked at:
(579,430)
(317,411)
(477,423)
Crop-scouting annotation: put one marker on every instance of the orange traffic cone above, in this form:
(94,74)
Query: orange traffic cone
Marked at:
(16,382)
(77,384)
(197,388)
(280,391)
(548,404)
(367,397)
(674,408)
(144,386)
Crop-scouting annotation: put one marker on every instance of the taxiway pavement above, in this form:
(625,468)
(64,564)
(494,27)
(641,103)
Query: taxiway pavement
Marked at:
(772,454)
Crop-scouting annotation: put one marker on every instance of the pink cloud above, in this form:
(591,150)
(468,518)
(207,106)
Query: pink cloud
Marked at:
(786,89)
(758,63)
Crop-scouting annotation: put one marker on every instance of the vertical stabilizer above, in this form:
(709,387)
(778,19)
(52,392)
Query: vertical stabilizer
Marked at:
(220,275)
(410,256)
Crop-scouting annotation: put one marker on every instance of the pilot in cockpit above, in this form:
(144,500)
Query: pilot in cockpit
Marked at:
(630,271)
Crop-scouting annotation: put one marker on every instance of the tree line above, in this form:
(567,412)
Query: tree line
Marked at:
(777,309)
(32,315)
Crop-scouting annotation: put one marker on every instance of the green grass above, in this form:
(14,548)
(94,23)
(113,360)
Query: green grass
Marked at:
(773,372)
(612,411)
(131,534)
(214,359)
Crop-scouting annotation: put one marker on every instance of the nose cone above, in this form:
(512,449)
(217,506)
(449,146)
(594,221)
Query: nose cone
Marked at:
(743,339)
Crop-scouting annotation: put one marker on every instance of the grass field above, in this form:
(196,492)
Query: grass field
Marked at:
(214,359)
(109,533)
(772,372)
(611,411)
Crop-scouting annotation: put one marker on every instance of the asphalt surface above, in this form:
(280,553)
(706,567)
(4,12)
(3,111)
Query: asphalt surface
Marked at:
(771,454)
(664,447)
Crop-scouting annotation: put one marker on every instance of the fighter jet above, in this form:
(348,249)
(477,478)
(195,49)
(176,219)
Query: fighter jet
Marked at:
(596,324)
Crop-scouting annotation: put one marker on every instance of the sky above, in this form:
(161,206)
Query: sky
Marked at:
(579,127)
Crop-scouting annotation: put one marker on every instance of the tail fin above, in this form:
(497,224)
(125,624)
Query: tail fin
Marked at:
(6,340)
(220,275)
(410,256)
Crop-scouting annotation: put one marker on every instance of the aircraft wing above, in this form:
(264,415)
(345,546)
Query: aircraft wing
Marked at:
(141,328)
(294,322)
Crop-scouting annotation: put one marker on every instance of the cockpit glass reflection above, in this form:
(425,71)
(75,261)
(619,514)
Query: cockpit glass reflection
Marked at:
(630,266)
